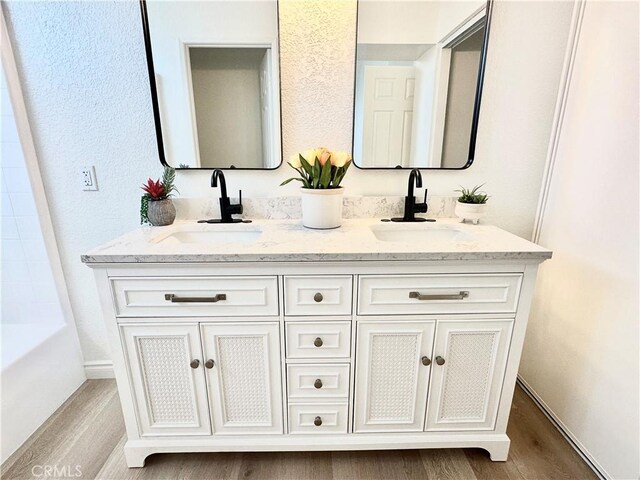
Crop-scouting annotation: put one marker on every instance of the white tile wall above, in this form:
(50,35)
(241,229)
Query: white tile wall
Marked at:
(28,289)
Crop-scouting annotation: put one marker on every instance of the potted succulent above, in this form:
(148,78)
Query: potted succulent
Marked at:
(471,204)
(320,172)
(156,206)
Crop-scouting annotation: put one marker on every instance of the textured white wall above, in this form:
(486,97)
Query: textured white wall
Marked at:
(402,22)
(84,74)
(581,353)
(85,83)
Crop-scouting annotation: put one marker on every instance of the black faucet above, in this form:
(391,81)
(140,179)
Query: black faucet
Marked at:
(226,208)
(410,205)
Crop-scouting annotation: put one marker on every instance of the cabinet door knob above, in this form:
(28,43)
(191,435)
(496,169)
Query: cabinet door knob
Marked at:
(426,361)
(195,363)
(318,342)
(318,297)
(439,360)
(317,383)
(317,421)
(209,363)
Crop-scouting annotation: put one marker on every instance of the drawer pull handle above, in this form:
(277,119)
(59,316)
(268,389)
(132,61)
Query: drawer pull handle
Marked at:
(318,342)
(426,361)
(171,297)
(318,297)
(454,296)
(439,360)
(317,383)
(209,364)
(195,363)
(317,421)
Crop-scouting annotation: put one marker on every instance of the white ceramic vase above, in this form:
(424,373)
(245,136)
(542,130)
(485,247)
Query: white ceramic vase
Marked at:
(322,209)
(470,211)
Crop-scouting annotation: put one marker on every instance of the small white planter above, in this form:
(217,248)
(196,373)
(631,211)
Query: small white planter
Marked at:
(471,211)
(322,209)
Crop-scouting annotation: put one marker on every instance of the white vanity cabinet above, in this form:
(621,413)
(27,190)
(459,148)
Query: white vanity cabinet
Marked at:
(169,391)
(392,379)
(242,367)
(195,379)
(400,366)
(469,362)
(266,356)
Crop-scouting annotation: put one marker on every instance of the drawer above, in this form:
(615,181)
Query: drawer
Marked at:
(424,294)
(318,340)
(313,382)
(195,296)
(330,418)
(322,295)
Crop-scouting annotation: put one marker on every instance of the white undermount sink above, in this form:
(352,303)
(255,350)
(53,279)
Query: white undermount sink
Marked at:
(421,233)
(222,235)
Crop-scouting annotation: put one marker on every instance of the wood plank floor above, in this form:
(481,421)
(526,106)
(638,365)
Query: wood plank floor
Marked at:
(88,432)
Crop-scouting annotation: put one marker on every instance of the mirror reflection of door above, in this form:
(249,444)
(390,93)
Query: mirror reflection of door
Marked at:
(387,114)
(417,69)
(215,66)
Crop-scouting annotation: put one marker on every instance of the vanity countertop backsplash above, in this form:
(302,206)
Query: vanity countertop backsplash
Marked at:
(290,207)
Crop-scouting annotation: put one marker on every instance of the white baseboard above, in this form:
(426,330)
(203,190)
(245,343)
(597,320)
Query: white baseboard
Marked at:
(564,430)
(99,369)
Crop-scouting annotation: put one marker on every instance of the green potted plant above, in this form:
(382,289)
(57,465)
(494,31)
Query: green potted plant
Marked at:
(471,204)
(320,172)
(156,206)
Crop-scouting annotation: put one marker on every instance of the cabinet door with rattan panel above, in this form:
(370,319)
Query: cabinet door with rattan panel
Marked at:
(242,365)
(393,361)
(468,370)
(164,363)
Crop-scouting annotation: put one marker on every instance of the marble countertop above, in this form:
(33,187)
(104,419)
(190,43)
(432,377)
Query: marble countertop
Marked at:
(288,240)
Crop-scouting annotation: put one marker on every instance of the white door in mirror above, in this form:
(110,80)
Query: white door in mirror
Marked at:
(388,114)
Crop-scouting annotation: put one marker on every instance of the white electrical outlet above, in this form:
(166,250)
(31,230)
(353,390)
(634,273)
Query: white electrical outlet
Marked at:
(88,178)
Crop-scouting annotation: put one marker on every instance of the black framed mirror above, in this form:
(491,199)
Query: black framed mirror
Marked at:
(214,78)
(419,74)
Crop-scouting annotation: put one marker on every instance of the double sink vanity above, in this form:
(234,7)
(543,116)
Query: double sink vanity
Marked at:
(268,336)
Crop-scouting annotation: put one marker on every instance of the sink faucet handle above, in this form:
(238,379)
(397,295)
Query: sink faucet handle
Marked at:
(238,209)
(422,207)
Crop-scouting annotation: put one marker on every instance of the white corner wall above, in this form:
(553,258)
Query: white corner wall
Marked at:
(581,353)
(84,76)
(37,332)
(83,72)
